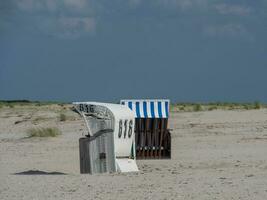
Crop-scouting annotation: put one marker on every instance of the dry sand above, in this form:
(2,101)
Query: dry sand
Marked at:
(215,155)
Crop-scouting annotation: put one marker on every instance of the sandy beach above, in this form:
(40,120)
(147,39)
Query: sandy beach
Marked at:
(216,154)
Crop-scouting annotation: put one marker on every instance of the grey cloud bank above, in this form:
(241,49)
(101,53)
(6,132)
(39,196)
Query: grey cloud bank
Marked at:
(194,50)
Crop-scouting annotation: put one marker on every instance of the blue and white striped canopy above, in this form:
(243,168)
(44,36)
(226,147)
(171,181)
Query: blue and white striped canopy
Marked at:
(148,108)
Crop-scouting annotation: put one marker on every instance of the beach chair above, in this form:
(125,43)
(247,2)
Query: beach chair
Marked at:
(109,142)
(152,136)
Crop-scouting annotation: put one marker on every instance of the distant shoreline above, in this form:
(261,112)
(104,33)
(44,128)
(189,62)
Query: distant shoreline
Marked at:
(175,107)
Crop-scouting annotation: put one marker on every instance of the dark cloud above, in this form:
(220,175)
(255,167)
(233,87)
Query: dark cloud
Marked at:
(187,50)
(65,19)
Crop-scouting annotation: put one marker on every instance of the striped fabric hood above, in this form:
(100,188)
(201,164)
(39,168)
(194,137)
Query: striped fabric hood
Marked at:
(148,108)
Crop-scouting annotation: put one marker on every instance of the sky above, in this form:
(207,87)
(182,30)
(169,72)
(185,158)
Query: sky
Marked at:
(102,50)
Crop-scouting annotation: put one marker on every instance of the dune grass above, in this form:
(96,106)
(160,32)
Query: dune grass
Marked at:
(43,132)
(62,117)
(189,107)
(257,105)
(13,103)
(61,108)
(197,107)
